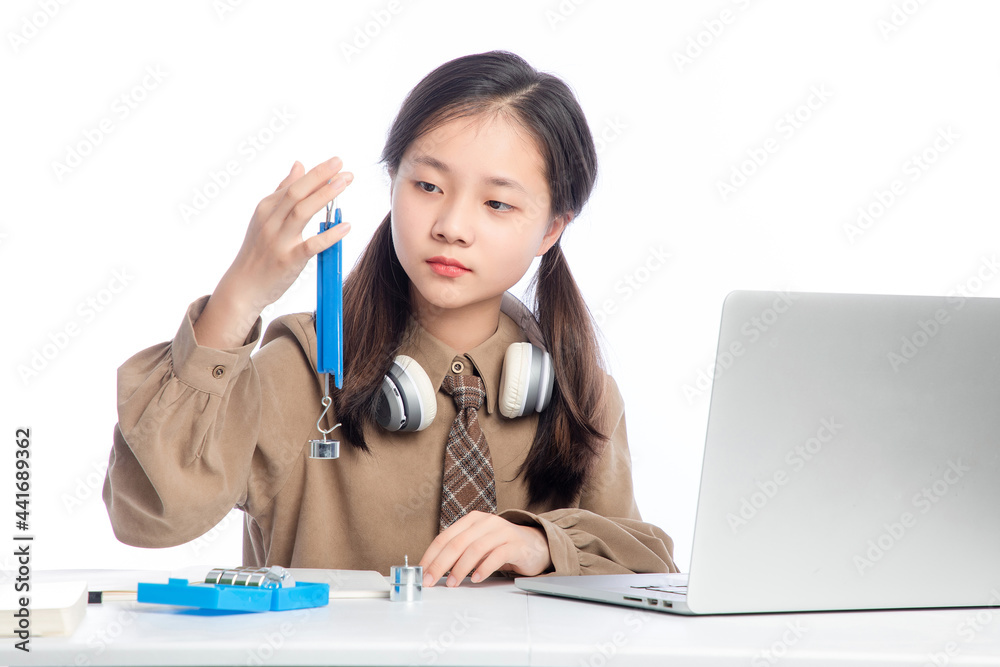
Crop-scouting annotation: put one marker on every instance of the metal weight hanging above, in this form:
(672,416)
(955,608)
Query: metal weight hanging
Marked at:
(325,448)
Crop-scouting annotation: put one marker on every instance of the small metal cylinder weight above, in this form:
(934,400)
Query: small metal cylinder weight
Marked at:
(406,583)
(324,449)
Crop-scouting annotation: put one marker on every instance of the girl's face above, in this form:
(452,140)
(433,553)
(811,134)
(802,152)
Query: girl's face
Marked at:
(470,210)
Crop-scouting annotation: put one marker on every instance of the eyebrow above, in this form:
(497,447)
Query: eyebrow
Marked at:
(489,180)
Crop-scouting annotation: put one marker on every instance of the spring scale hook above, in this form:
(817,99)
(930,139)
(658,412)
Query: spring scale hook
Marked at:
(325,448)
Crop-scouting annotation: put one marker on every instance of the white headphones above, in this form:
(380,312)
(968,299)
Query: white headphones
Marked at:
(409,401)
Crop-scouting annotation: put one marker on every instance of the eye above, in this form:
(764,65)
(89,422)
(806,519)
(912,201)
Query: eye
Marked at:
(499,205)
(427,187)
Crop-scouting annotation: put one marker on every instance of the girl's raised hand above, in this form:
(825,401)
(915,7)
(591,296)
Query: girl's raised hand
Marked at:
(273,253)
(485,543)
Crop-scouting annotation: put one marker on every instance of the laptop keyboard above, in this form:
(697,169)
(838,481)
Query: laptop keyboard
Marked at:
(670,590)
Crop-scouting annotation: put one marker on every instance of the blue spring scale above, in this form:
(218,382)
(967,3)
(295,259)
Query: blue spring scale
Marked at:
(329,331)
(330,305)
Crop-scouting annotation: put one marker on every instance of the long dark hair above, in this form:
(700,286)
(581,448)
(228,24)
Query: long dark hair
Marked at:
(377,297)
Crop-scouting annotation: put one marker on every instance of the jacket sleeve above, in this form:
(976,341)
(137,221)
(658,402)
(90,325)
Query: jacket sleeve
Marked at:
(605,534)
(188,418)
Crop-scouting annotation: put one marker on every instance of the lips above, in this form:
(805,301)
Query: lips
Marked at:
(448,267)
(447,261)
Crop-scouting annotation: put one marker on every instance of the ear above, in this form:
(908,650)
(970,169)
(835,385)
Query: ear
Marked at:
(555,230)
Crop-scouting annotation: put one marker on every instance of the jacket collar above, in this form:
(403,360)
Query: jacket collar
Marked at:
(436,357)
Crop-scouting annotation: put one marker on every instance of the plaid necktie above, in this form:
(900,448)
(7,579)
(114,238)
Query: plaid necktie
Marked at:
(468,471)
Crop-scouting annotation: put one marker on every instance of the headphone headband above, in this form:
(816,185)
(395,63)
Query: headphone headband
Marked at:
(512,307)
(408,400)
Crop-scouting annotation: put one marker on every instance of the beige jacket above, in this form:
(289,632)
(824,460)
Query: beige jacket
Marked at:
(202,430)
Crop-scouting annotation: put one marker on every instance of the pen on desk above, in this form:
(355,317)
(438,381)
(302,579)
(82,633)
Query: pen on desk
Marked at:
(329,304)
(116,595)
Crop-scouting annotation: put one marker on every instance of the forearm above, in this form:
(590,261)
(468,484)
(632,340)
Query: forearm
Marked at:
(227,318)
(581,542)
(188,421)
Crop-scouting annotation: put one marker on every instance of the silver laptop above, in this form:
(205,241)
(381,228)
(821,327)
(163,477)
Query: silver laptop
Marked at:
(852,461)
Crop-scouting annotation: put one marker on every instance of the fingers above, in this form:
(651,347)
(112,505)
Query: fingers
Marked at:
(287,211)
(295,173)
(522,549)
(484,548)
(495,560)
(484,543)
(319,242)
(304,210)
(433,569)
(299,196)
(280,202)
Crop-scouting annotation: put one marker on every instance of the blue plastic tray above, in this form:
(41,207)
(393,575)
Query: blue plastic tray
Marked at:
(235,598)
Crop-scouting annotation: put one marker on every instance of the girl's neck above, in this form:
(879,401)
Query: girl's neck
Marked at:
(460,328)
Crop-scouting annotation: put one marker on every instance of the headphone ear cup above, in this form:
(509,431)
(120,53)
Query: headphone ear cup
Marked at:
(526,380)
(408,401)
(513,381)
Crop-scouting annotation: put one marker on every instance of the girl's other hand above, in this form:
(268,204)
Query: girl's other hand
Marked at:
(273,253)
(486,543)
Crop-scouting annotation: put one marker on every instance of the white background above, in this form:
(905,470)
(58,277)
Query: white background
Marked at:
(884,79)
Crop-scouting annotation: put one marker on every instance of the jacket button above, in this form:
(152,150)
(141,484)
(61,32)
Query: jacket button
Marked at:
(457,367)
(219,371)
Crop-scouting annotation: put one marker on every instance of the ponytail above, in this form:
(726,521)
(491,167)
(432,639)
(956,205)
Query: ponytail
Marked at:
(568,439)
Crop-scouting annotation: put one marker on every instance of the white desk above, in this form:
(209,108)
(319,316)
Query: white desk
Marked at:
(494,623)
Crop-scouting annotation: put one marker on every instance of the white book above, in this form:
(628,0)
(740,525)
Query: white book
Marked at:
(53,609)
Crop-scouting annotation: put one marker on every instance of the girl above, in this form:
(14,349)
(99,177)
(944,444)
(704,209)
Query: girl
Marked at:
(489,161)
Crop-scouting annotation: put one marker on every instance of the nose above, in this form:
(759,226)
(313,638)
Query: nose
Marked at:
(453,223)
